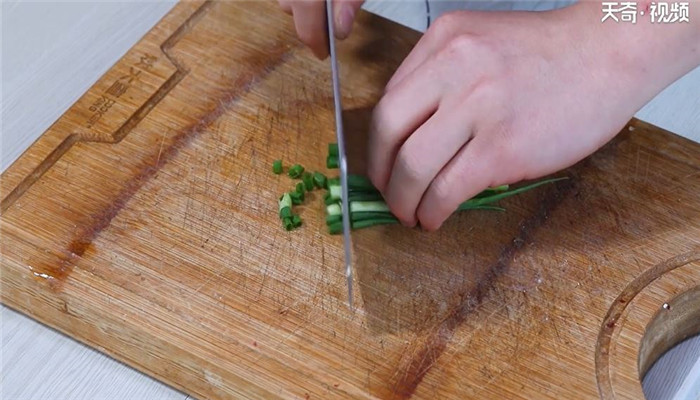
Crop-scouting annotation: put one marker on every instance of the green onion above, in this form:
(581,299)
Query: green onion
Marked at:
(337,227)
(277,167)
(372,222)
(335,191)
(365,196)
(333,209)
(332,218)
(331,162)
(320,180)
(285,201)
(365,215)
(497,189)
(285,212)
(368,206)
(480,201)
(328,200)
(366,203)
(295,171)
(491,208)
(308,180)
(333,150)
(297,197)
(360,183)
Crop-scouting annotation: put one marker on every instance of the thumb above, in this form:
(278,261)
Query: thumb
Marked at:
(345,11)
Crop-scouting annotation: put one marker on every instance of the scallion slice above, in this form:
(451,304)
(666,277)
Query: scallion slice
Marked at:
(295,171)
(308,180)
(331,162)
(277,167)
(320,180)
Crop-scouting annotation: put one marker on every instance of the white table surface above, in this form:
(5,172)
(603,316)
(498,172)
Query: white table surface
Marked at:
(52,52)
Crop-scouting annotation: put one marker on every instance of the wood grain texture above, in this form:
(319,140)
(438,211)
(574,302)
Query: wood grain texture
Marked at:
(149,236)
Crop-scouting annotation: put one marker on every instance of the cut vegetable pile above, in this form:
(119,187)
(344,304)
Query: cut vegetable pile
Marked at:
(367,206)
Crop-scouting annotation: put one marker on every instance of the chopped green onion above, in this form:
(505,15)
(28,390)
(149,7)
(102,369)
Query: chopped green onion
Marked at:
(285,212)
(295,171)
(332,218)
(297,197)
(300,188)
(329,200)
(331,162)
(285,201)
(308,180)
(320,180)
(333,149)
(333,209)
(335,192)
(277,167)
(288,224)
(335,227)
(296,220)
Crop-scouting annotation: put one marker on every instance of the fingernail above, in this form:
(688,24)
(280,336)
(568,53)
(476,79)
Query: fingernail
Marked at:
(346,15)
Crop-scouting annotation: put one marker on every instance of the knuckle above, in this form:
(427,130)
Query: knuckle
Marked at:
(444,25)
(504,159)
(442,189)
(490,92)
(461,49)
(385,127)
(505,151)
(382,121)
(408,165)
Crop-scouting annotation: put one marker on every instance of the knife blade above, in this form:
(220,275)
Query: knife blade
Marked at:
(342,162)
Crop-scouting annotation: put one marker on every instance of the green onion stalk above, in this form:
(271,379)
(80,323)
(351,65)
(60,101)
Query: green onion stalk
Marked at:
(367,206)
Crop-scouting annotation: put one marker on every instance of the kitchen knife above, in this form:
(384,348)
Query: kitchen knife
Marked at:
(342,162)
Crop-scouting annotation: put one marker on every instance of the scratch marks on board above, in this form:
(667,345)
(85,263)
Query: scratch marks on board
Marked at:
(413,368)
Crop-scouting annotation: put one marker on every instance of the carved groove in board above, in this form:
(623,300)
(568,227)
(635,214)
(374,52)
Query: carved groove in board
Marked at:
(129,124)
(607,329)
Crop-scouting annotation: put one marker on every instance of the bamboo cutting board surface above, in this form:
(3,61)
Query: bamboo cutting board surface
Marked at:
(144,223)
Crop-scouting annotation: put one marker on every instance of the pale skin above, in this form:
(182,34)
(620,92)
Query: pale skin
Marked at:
(492,98)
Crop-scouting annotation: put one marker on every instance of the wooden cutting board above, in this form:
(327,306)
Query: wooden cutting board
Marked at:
(144,223)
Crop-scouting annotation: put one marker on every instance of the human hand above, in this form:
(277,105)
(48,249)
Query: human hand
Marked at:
(310,21)
(493,98)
